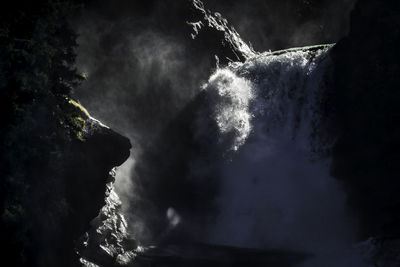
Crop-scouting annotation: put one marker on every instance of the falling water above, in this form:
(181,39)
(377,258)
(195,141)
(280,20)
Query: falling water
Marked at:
(275,191)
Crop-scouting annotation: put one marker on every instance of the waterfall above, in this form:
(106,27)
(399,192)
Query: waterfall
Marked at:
(253,129)
(276,192)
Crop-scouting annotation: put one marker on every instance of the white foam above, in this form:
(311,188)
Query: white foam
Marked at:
(231,96)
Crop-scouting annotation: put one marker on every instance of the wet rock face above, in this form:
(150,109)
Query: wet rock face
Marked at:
(365,110)
(89,168)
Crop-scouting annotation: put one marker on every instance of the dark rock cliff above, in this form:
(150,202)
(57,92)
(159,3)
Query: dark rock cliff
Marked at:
(363,104)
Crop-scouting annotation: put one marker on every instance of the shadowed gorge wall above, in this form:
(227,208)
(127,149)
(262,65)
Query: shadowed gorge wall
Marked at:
(364,107)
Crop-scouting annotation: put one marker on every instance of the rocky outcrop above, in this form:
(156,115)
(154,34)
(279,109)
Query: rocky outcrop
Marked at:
(62,158)
(224,41)
(93,154)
